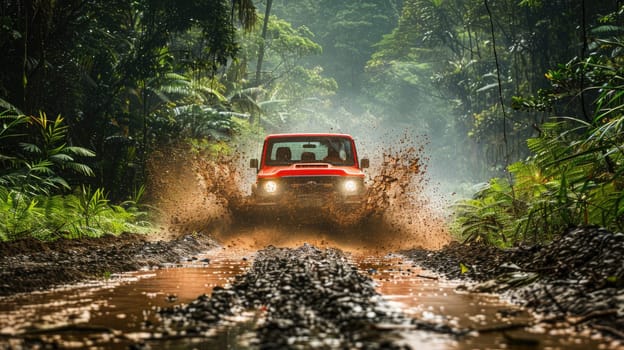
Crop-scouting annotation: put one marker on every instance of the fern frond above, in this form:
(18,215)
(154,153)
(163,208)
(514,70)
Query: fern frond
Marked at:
(42,167)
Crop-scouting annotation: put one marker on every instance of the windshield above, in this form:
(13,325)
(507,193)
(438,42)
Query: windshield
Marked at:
(321,149)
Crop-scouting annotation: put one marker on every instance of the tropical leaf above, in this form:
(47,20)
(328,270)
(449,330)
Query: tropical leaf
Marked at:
(81,168)
(79,151)
(463,268)
(61,158)
(31,148)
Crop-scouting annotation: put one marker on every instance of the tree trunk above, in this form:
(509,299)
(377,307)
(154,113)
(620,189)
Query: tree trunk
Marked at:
(267,13)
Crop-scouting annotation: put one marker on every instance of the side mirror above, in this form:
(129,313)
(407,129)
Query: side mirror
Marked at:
(364,163)
(253,163)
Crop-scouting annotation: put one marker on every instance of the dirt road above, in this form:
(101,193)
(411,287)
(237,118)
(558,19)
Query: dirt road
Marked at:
(305,291)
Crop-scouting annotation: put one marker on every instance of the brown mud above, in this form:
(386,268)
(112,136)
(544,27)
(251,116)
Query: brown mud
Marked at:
(301,297)
(398,215)
(195,193)
(189,192)
(29,265)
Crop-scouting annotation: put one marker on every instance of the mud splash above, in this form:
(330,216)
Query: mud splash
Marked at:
(191,192)
(397,198)
(199,193)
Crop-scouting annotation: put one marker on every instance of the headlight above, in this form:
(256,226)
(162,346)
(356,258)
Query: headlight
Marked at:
(350,186)
(270,187)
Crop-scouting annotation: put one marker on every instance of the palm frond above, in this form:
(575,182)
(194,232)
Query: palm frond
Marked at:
(30,148)
(60,158)
(79,151)
(80,168)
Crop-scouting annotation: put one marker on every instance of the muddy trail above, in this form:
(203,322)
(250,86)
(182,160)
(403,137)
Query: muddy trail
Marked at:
(305,286)
(296,296)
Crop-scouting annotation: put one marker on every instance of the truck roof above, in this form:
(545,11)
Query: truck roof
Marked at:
(307,134)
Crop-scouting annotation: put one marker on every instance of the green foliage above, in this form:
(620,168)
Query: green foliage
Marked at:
(483,218)
(86,214)
(36,157)
(290,87)
(107,275)
(286,47)
(202,122)
(574,176)
(109,68)
(437,69)
(463,268)
(128,77)
(290,43)
(33,185)
(346,30)
(563,184)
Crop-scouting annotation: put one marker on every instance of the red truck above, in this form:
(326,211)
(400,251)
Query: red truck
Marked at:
(309,170)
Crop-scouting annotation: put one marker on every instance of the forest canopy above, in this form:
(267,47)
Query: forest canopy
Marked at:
(527,93)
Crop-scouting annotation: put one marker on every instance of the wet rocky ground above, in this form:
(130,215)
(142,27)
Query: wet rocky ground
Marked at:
(577,279)
(311,297)
(29,265)
(301,298)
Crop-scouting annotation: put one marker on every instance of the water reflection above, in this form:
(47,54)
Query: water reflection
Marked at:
(125,302)
(113,313)
(423,296)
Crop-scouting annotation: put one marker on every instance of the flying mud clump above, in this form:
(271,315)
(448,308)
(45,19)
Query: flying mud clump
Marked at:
(397,201)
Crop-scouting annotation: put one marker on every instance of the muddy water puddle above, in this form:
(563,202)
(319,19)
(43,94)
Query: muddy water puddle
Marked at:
(501,325)
(114,311)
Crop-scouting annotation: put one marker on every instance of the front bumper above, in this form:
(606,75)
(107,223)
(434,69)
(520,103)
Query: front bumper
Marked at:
(305,192)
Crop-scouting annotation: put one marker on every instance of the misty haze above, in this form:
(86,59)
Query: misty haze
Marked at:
(272,174)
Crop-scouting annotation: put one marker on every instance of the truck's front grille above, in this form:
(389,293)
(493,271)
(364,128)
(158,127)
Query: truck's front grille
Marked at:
(311,184)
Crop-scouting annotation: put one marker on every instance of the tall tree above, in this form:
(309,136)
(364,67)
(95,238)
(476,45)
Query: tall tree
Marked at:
(263,36)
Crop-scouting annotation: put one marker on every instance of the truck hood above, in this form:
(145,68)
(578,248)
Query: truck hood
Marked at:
(308,169)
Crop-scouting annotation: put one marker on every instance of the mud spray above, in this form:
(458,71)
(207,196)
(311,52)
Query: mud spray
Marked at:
(199,193)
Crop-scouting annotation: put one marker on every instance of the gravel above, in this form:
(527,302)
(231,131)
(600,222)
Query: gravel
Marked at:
(578,278)
(303,298)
